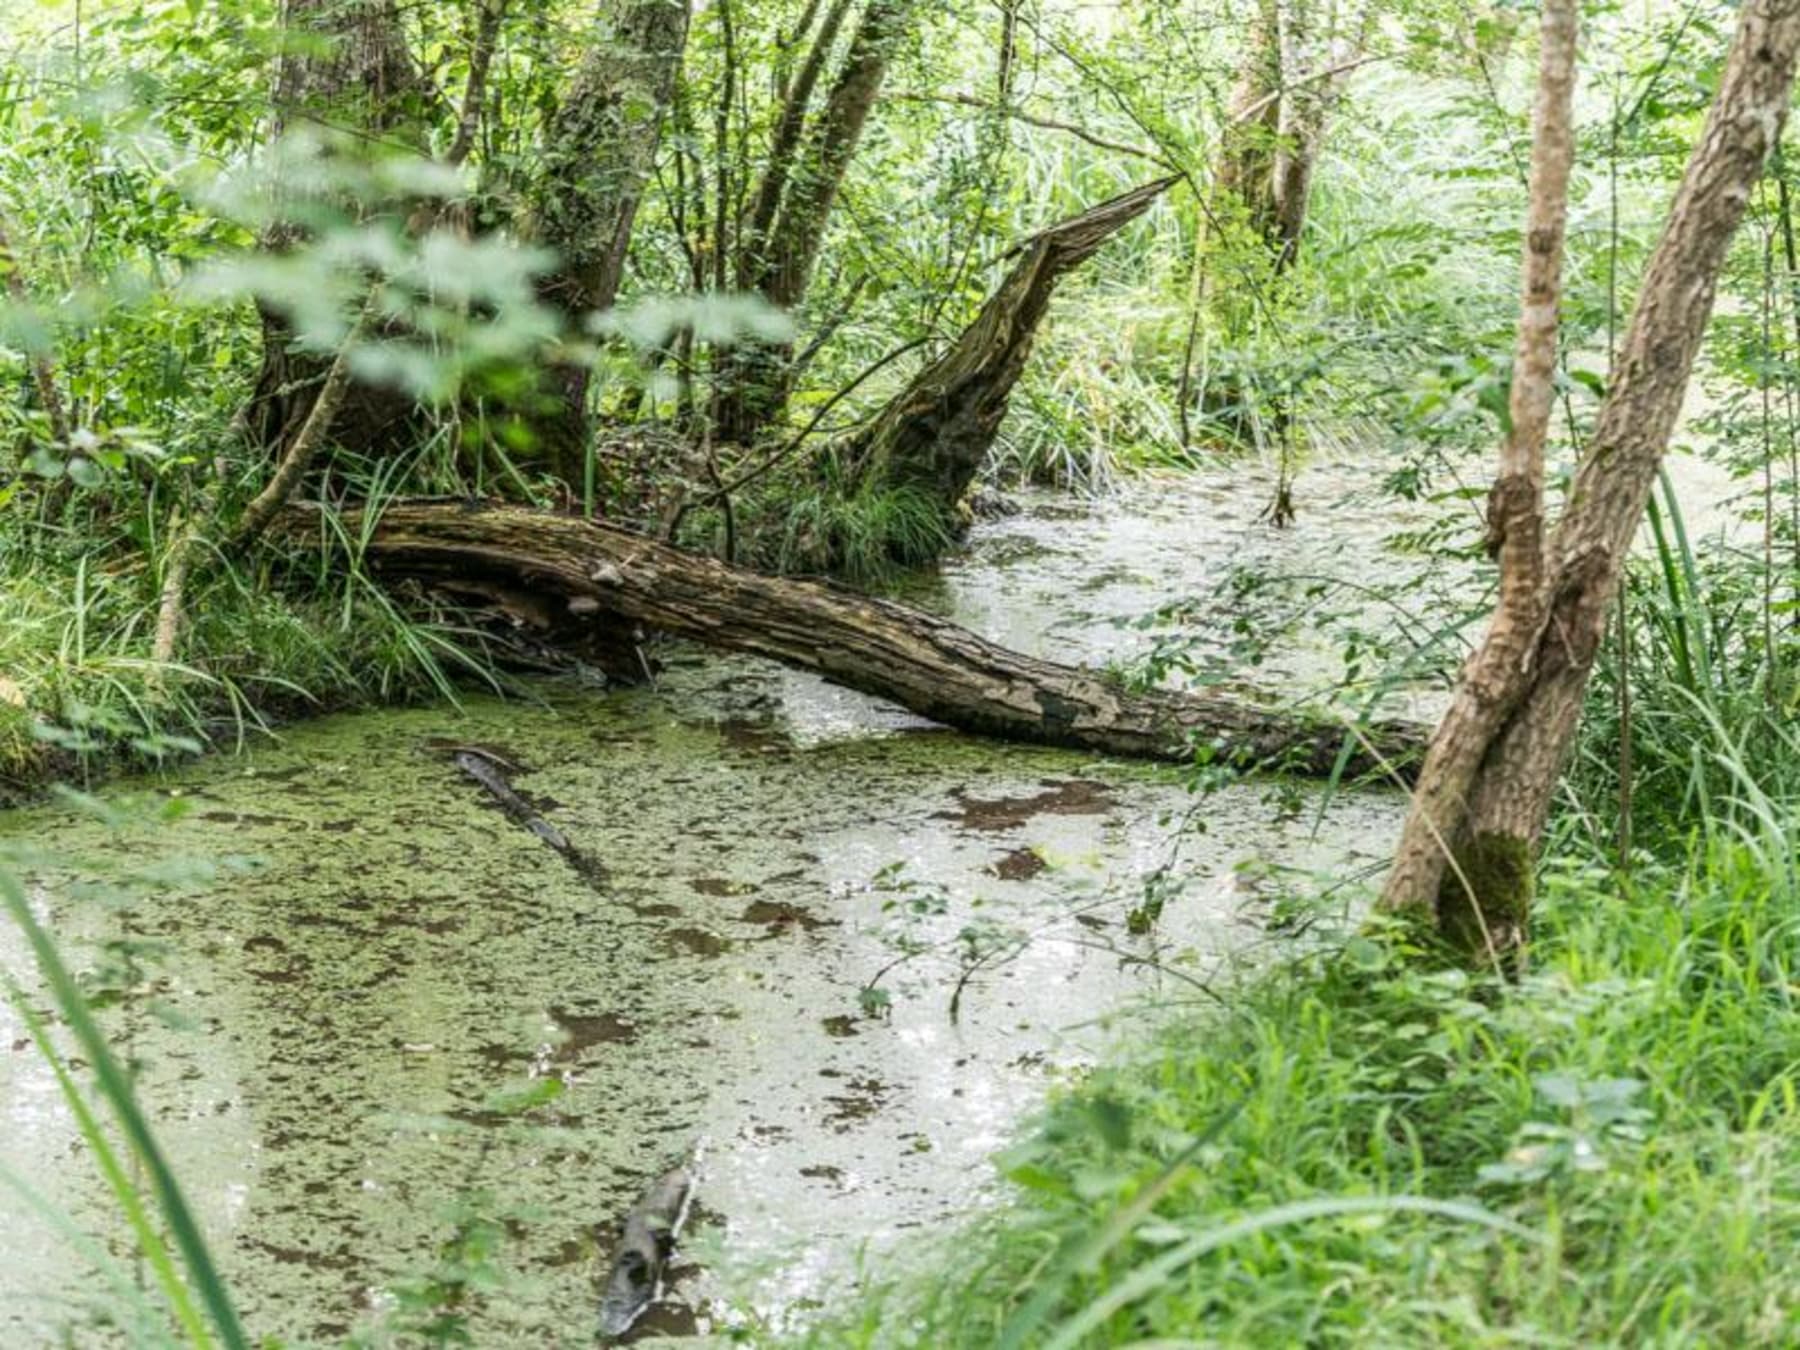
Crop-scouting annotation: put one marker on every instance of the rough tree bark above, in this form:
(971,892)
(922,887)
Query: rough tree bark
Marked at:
(937,433)
(345,71)
(1494,763)
(779,259)
(568,575)
(1296,58)
(598,154)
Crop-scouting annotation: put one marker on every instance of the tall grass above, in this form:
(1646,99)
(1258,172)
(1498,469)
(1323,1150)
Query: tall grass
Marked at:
(82,690)
(1359,1149)
(187,1276)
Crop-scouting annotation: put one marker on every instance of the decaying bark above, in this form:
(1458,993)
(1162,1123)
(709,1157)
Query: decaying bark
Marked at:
(1494,763)
(597,157)
(645,1246)
(937,433)
(490,771)
(578,575)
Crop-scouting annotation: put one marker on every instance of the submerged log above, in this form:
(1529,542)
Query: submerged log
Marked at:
(490,771)
(634,1280)
(591,573)
(937,432)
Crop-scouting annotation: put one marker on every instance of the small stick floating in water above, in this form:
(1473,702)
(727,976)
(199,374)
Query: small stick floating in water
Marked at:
(489,770)
(635,1278)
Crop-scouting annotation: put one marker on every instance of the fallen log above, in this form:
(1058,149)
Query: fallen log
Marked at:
(587,573)
(490,772)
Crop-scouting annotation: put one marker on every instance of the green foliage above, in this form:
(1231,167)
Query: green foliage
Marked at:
(81,690)
(1361,1150)
(196,1295)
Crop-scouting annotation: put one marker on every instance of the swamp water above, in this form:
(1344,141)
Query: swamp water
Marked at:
(807,949)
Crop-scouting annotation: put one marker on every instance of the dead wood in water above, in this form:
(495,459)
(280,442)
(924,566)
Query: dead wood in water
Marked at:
(490,771)
(587,573)
(937,432)
(645,1245)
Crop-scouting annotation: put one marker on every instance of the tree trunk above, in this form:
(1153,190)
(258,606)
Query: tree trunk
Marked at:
(571,576)
(752,252)
(760,375)
(1246,166)
(937,433)
(1494,763)
(599,152)
(345,70)
(1294,65)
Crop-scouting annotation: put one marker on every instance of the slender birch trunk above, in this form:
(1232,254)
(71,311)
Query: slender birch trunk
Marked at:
(1467,857)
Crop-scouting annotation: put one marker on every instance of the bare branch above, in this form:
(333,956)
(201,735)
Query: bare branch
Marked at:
(481,56)
(299,455)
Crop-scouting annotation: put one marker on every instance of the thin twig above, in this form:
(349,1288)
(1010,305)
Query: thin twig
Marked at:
(1080,133)
(788,447)
(311,437)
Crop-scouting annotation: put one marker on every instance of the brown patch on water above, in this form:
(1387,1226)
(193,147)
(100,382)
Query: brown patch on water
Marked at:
(720,886)
(656,909)
(665,1317)
(244,818)
(1060,797)
(1021,864)
(861,1099)
(782,918)
(583,1031)
(758,738)
(695,942)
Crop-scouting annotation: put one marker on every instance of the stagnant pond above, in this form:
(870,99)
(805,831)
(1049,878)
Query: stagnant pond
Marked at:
(840,949)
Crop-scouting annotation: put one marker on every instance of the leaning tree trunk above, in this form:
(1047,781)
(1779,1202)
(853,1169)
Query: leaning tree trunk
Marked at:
(569,576)
(346,72)
(599,152)
(1494,763)
(936,434)
(781,257)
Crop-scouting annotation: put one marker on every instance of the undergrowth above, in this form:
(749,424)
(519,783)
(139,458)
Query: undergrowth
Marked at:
(1358,1147)
(80,690)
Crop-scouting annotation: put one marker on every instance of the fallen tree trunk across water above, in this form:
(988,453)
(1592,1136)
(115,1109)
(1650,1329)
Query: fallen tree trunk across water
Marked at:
(561,569)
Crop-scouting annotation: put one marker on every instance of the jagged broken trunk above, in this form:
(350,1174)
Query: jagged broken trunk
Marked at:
(566,575)
(937,434)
